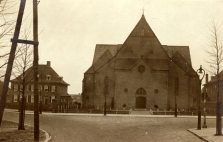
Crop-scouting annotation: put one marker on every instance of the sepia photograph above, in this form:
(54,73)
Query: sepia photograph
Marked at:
(111,71)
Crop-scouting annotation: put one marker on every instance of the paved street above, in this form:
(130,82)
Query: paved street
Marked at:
(115,128)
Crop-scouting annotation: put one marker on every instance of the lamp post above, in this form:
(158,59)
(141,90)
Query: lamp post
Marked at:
(105,92)
(201,72)
(205,96)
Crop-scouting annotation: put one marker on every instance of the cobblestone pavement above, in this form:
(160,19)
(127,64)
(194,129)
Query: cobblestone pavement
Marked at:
(85,128)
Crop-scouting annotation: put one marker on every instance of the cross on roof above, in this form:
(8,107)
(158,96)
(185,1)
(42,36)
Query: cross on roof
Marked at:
(143,10)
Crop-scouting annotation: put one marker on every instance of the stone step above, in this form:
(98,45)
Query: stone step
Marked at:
(140,112)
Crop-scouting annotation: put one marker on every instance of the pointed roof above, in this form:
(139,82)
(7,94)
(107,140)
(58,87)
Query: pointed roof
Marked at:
(100,49)
(183,50)
(43,70)
(142,42)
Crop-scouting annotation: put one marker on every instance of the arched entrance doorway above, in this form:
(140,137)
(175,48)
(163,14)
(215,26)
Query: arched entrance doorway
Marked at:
(140,98)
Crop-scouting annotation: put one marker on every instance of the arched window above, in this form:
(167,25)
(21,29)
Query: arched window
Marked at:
(141,91)
(176,86)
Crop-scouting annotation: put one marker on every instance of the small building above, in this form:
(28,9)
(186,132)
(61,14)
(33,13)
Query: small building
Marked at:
(210,92)
(51,88)
(76,100)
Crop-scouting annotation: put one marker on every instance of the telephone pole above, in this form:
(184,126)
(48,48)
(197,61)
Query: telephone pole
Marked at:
(11,58)
(35,67)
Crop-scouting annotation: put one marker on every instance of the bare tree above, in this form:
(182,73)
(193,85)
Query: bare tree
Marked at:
(22,63)
(7,25)
(214,49)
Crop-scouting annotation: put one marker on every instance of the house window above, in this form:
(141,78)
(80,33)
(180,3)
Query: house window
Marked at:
(15,87)
(29,98)
(48,77)
(40,88)
(53,88)
(32,87)
(21,87)
(32,98)
(52,98)
(28,87)
(15,98)
(46,88)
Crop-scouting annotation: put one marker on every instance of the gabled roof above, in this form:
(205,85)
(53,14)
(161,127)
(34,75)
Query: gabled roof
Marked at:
(100,49)
(142,42)
(104,58)
(183,50)
(181,62)
(43,70)
(128,63)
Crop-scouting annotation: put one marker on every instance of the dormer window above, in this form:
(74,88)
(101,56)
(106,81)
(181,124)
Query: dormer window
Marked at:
(48,77)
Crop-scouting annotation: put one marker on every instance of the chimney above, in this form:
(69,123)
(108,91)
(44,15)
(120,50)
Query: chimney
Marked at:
(60,78)
(48,63)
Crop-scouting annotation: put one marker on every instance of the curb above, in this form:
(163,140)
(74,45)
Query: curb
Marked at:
(48,137)
(197,135)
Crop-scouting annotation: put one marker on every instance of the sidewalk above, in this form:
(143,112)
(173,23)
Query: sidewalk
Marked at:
(207,134)
(94,114)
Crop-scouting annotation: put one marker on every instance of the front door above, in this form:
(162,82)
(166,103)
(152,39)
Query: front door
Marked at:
(140,102)
(140,98)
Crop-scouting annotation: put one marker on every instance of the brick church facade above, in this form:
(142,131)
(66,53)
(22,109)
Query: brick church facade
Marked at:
(141,73)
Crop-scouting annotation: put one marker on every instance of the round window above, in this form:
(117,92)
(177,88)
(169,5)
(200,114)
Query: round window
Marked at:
(141,68)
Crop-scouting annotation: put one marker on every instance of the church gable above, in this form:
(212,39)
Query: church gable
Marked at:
(142,42)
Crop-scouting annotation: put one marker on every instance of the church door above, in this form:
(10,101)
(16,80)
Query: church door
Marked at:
(140,98)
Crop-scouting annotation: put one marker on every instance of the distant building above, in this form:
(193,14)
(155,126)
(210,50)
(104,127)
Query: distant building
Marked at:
(142,74)
(52,88)
(76,100)
(211,92)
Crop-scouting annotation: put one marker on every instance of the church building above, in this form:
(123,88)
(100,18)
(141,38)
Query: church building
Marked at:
(141,73)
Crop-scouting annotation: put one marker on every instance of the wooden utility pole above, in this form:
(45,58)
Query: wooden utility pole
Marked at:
(35,67)
(11,58)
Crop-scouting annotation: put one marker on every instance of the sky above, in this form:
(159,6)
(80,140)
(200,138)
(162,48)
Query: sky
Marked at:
(70,29)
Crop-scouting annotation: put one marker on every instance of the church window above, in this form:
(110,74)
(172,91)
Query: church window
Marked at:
(142,43)
(142,31)
(141,68)
(141,91)
(176,86)
(125,90)
(156,91)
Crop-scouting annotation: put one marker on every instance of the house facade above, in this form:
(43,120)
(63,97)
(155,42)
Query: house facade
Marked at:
(210,92)
(52,88)
(140,73)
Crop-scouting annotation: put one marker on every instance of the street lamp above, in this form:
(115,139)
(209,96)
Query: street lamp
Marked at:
(201,72)
(105,92)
